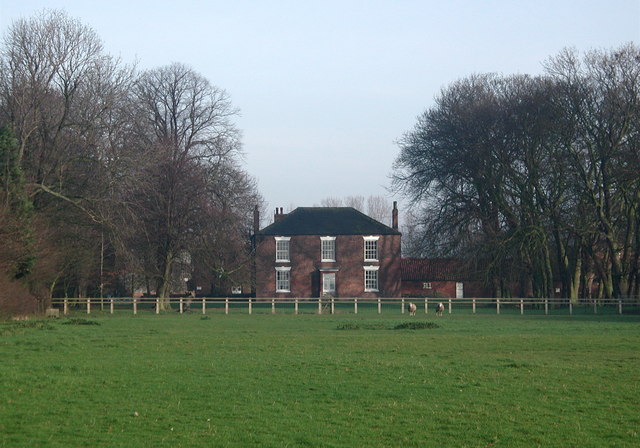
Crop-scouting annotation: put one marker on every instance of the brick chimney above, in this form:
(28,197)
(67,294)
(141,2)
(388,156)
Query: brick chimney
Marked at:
(394,216)
(279,214)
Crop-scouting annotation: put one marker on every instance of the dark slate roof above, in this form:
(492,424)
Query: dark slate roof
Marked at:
(432,269)
(326,221)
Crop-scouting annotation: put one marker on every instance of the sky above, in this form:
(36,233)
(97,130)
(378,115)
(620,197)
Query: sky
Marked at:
(327,88)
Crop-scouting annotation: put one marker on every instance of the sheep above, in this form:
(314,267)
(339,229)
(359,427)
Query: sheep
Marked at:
(439,309)
(411,307)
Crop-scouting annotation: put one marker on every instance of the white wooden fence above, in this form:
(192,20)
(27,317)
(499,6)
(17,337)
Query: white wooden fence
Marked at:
(331,305)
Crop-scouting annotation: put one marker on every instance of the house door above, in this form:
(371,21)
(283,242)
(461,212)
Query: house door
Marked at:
(459,290)
(329,283)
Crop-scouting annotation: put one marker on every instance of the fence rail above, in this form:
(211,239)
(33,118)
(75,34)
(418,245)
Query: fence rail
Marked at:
(352,305)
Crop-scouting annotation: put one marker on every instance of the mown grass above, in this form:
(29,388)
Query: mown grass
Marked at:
(284,380)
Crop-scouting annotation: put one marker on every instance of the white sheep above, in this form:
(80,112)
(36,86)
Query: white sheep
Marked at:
(411,307)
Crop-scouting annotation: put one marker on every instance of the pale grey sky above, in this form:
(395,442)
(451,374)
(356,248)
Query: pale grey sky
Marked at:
(325,88)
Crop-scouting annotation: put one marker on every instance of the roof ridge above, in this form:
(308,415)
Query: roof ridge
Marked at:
(327,221)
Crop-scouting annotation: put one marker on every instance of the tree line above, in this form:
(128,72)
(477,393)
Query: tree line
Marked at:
(533,180)
(114,179)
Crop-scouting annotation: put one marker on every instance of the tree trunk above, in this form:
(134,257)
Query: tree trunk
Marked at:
(577,275)
(164,293)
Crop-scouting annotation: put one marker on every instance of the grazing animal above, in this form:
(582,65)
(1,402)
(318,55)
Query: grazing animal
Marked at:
(411,307)
(439,309)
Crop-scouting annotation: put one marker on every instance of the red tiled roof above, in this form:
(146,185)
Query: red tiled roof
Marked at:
(432,269)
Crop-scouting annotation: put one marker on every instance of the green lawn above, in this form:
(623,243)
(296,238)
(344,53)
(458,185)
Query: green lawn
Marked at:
(341,380)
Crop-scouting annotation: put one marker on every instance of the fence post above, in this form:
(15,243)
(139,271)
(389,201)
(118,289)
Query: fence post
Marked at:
(355,305)
(402,306)
(521,306)
(497,306)
(619,306)
(546,306)
(157,305)
(181,305)
(226,305)
(135,306)
(595,306)
(88,306)
(111,305)
(379,306)
(250,310)
(333,306)
(66,306)
(273,306)
(449,306)
(204,306)
(570,307)
(295,306)
(319,305)
(426,306)
(473,305)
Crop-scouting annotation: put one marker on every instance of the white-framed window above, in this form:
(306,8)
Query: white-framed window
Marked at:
(282,248)
(371,278)
(371,248)
(283,279)
(328,248)
(426,285)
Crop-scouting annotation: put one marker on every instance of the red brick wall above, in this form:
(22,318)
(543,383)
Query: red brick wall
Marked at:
(446,289)
(306,263)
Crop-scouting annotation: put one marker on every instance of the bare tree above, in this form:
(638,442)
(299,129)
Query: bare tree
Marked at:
(376,207)
(187,125)
(356,202)
(124,172)
(510,170)
(601,94)
(59,93)
(379,208)
(331,202)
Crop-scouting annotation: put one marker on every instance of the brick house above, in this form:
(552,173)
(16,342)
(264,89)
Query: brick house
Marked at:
(439,277)
(318,251)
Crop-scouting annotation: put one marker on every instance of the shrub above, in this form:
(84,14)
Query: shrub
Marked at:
(15,300)
(416,326)
(80,321)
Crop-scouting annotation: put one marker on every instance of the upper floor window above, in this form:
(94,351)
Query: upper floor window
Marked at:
(371,248)
(328,248)
(282,248)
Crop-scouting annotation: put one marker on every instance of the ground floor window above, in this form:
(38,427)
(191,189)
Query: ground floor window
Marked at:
(283,279)
(371,278)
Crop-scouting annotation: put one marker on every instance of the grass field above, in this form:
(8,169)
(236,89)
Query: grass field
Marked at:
(310,380)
